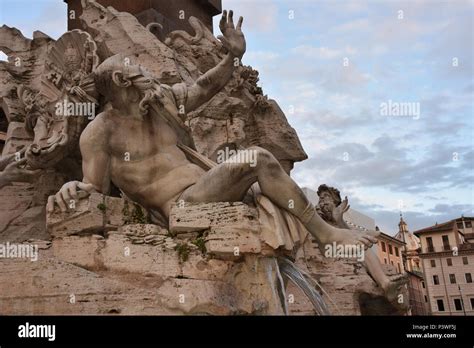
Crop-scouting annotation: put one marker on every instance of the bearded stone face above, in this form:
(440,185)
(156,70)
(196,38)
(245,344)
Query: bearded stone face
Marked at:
(326,205)
(149,90)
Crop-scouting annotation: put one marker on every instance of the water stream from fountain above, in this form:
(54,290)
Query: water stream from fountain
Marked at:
(307,284)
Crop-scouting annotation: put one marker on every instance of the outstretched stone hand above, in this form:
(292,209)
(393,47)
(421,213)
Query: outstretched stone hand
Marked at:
(338,212)
(233,39)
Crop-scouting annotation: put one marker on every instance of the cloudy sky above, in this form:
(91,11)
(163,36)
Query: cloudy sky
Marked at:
(331,65)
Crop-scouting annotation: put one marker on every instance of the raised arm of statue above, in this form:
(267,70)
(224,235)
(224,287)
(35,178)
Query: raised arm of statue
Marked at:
(95,155)
(216,78)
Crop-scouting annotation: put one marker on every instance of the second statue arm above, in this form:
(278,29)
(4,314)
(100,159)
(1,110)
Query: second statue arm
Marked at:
(216,78)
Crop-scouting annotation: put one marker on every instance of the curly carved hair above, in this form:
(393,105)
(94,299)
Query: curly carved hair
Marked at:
(334,192)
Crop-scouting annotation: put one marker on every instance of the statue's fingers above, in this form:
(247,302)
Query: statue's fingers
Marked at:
(50,205)
(66,196)
(223,21)
(230,21)
(59,199)
(347,208)
(239,23)
(344,202)
(73,191)
(224,41)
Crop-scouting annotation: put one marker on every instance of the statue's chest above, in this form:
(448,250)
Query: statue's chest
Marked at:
(141,138)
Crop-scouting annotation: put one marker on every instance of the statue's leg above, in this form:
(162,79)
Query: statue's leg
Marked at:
(375,269)
(229,181)
(391,287)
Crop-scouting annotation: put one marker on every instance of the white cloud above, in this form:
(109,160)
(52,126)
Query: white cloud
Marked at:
(262,57)
(258,15)
(323,52)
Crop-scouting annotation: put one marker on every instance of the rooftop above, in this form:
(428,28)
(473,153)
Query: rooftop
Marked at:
(445,226)
(391,239)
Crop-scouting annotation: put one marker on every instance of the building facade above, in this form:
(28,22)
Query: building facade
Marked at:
(389,251)
(447,257)
(419,302)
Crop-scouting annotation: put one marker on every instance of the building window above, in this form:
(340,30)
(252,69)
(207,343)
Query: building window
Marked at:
(426,298)
(464,260)
(468,224)
(468,277)
(423,285)
(390,250)
(383,247)
(460,226)
(458,304)
(472,303)
(446,245)
(435,280)
(440,305)
(385,260)
(399,268)
(449,262)
(429,241)
(433,263)
(396,251)
(452,278)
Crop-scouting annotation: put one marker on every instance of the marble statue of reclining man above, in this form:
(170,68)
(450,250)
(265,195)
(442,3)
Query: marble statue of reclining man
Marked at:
(136,145)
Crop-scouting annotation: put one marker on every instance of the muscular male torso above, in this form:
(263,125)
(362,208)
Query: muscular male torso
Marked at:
(145,161)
